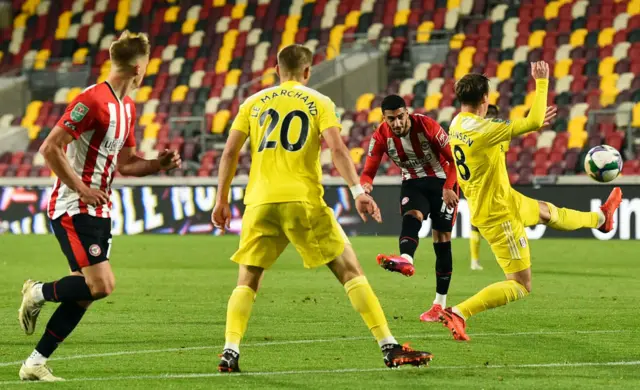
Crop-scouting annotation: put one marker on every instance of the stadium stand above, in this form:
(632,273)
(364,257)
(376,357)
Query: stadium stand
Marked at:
(203,51)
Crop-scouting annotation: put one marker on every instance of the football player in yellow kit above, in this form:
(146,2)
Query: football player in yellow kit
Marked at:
(500,212)
(284,198)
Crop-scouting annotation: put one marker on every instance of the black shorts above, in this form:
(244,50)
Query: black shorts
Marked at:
(84,239)
(425,195)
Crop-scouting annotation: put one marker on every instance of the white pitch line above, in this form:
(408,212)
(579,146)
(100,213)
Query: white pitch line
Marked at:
(337,371)
(312,341)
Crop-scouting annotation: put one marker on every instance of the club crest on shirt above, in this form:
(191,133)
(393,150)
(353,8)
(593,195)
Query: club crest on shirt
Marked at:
(95,250)
(79,112)
(523,242)
(443,138)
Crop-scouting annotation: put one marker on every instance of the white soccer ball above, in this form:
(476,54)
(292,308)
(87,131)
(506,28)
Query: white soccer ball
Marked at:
(603,163)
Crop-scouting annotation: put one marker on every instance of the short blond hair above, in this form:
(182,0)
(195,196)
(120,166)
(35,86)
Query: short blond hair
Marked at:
(128,48)
(294,58)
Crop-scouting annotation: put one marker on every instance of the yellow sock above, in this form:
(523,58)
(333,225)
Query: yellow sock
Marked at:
(497,294)
(568,219)
(238,312)
(366,303)
(474,245)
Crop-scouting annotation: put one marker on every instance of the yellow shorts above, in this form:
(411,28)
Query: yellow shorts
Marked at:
(268,229)
(508,240)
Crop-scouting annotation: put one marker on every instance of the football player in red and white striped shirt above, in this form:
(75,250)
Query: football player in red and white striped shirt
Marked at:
(420,146)
(94,137)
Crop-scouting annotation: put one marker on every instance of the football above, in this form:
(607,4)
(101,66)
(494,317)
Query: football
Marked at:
(603,163)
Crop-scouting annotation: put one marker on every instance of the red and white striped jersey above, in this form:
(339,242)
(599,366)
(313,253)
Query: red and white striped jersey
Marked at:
(101,125)
(423,152)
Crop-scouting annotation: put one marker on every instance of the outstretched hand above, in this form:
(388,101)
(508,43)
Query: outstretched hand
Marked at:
(366,205)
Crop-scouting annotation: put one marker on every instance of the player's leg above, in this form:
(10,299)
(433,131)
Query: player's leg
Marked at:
(260,246)
(509,243)
(414,207)
(319,239)
(349,273)
(474,248)
(86,242)
(569,219)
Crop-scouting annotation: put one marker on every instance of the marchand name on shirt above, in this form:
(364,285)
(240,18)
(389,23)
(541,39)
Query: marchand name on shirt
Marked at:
(462,137)
(311,105)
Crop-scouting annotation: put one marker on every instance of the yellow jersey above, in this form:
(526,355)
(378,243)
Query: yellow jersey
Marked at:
(284,125)
(478,147)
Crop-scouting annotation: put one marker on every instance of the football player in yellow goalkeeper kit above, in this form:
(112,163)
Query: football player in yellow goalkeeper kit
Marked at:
(500,212)
(284,199)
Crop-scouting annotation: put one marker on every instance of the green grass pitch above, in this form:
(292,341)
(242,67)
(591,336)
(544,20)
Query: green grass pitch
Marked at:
(163,327)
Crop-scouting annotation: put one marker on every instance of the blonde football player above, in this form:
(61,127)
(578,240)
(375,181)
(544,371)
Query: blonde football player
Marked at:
(500,212)
(284,199)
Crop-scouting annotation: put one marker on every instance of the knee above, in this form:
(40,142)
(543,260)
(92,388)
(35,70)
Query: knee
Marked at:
(101,288)
(439,237)
(415,214)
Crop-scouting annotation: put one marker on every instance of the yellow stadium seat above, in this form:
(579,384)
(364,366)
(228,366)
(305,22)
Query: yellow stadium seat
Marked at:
(466,56)
(288,38)
(536,38)
(562,68)
(20,20)
(105,67)
(633,8)
(222,65)
(179,93)
(493,97)
(518,112)
(608,98)
(33,131)
(238,11)
(605,38)
(356,155)
(33,109)
(551,10)
(504,70)
(143,94)
(29,7)
(432,102)
(1,55)
(268,77)
(64,21)
(41,59)
(233,77)
(461,70)
(401,18)
(453,4)
(189,26)
(147,119)
(73,92)
(635,121)
(80,56)
(220,120)
(577,124)
(577,37)
(122,17)
(219,3)
(154,66)
(577,140)
(171,15)
(607,66)
(292,22)
(375,116)
(608,83)
(335,41)
(151,131)
(364,102)
(352,19)
(456,41)
(423,33)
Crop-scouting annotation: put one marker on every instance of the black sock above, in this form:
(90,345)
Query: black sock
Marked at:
(444,266)
(62,322)
(72,288)
(409,235)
